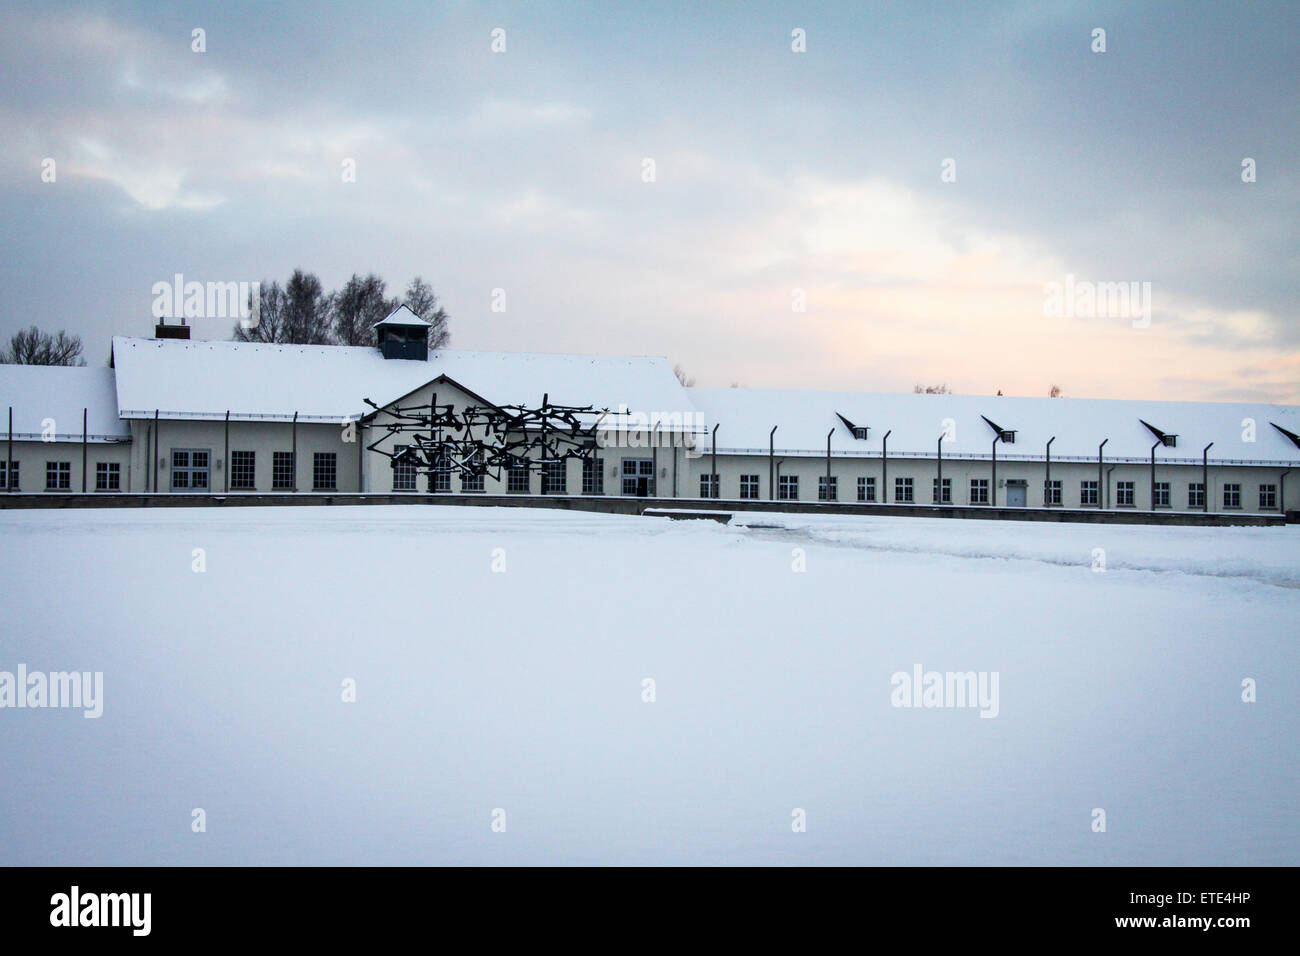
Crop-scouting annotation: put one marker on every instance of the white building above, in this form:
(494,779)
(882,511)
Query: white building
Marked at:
(174,416)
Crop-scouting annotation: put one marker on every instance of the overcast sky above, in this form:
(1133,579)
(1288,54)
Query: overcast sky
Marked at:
(775,171)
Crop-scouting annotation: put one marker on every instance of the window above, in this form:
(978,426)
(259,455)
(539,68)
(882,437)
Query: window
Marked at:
(474,478)
(324,471)
(404,475)
(866,489)
(1088,493)
(189,469)
(1267,497)
(593,476)
(1196,494)
(440,480)
(517,479)
(708,486)
(58,476)
(9,475)
(1124,494)
(108,476)
(1052,492)
(199,469)
(788,488)
(903,490)
(946,497)
(241,470)
(749,486)
(827,488)
(282,477)
(979,491)
(1160,494)
(180,469)
(554,479)
(1232,496)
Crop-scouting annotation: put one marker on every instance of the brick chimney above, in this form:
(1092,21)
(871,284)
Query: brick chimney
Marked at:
(164,331)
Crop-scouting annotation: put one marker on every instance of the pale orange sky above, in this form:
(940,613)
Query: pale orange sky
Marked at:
(776,173)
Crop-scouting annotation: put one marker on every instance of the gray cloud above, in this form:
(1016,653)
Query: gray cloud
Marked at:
(522,170)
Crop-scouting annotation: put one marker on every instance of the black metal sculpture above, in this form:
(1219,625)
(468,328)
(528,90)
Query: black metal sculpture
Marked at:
(480,440)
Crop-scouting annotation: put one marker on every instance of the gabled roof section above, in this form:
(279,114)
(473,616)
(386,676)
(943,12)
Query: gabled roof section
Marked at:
(259,381)
(434,382)
(40,392)
(402,316)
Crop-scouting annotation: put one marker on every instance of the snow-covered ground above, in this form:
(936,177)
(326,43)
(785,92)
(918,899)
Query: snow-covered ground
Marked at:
(499,657)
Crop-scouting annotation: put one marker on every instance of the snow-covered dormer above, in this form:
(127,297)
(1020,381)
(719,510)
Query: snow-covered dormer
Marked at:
(403,335)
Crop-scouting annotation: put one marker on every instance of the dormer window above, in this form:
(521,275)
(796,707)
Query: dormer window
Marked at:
(1005,435)
(860,432)
(1295,439)
(1169,441)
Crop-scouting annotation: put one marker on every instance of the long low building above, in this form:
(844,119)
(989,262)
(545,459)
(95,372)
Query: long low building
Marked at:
(174,416)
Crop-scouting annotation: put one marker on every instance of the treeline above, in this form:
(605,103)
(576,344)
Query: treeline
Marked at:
(301,312)
(1053,392)
(34,347)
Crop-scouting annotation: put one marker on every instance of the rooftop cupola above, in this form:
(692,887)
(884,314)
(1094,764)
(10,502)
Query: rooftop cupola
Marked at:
(403,335)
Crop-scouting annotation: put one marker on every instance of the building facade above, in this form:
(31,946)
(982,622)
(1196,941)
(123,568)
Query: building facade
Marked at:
(174,416)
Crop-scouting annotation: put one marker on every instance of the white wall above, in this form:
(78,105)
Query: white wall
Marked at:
(961,470)
(265,438)
(261,438)
(32,456)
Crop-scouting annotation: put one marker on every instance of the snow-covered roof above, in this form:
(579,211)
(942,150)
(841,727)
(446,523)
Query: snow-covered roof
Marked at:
(198,379)
(40,392)
(746,416)
(402,316)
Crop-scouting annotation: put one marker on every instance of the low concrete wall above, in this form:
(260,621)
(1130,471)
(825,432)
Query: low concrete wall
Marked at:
(609,504)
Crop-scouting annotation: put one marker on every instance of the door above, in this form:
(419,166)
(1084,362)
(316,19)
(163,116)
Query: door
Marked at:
(638,477)
(1016,496)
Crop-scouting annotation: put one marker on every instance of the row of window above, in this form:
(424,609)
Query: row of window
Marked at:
(58,476)
(554,476)
(191,470)
(904,491)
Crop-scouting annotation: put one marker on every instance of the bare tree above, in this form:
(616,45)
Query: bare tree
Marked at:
(270,324)
(300,312)
(307,310)
(1055,392)
(686,380)
(357,307)
(34,347)
(421,300)
(931,389)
